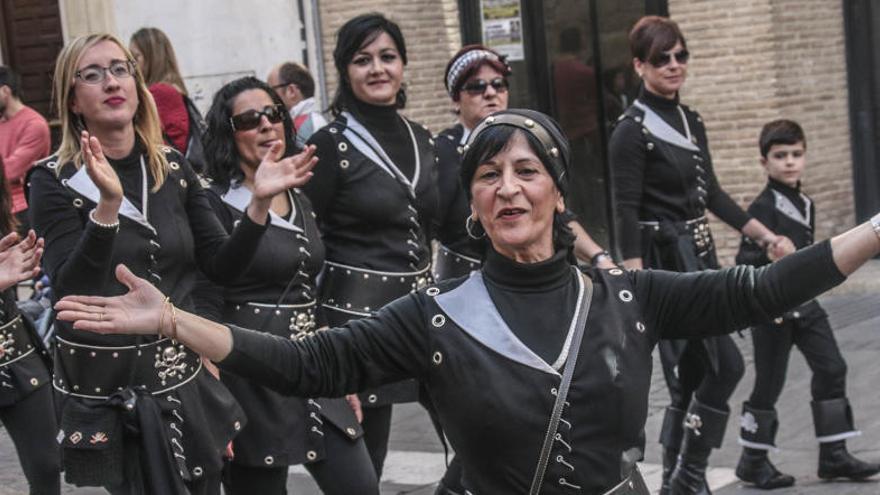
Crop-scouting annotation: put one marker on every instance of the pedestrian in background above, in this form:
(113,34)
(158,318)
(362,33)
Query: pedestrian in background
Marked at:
(182,124)
(24,139)
(296,87)
(664,184)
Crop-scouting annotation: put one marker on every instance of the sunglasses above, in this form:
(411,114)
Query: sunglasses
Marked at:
(251,119)
(478,87)
(663,59)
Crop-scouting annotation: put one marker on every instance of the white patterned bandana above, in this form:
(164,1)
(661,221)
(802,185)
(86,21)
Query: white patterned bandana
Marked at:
(464,62)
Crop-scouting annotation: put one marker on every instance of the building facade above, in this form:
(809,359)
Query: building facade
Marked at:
(752,61)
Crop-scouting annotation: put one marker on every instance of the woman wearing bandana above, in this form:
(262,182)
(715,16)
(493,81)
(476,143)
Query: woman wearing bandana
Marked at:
(374,195)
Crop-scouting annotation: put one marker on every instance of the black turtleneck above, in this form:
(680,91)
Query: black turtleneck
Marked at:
(128,169)
(536,300)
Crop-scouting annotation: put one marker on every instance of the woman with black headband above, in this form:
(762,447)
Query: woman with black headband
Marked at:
(664,184)
(276,294)
(540,372)
(476,80)
(374,195)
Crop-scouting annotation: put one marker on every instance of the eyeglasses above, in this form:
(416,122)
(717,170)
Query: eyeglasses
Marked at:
(250,119)
(95,74)
(663,59)
(478,87)
(281,85)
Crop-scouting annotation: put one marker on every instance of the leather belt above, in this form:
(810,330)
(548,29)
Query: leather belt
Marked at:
(633,484)
(97,372)
(696,228)
(15,342)
(293,321)
(450,264)
(360,292)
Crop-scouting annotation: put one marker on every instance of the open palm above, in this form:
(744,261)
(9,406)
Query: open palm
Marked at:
(137,312)
(276,174)
(99,169)
(19,258)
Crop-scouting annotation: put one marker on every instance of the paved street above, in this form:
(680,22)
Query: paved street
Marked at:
(416,460)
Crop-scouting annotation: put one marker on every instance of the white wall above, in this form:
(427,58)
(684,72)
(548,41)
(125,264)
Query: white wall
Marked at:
(217,41)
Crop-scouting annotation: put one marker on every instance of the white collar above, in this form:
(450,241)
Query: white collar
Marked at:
(82,183)
(370,147)
(303,107)
(239,197)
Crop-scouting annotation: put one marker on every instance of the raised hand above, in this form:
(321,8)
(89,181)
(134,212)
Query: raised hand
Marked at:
(276,174)
(139,311)
(99,169)
(19,258)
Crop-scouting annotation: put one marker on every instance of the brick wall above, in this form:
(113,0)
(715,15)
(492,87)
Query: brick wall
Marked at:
(759,60)
(432,33)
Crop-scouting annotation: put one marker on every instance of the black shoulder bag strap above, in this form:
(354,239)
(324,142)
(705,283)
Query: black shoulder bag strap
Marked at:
(562,393)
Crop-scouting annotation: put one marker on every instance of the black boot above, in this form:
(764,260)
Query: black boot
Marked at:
(834,423)
(670,437)
(704,430)
(758,434)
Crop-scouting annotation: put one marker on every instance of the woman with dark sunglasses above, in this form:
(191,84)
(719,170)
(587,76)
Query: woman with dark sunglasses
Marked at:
(139,414)
(374,195)
(277,295)
(664,184)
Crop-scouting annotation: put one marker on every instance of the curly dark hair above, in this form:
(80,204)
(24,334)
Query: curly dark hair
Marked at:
(351,37)
(221,154)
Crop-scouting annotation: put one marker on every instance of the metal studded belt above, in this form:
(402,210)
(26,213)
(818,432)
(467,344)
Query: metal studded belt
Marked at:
(15,342)
(293,321)
(360,292)
(696,228)
(450,264)
(96,372)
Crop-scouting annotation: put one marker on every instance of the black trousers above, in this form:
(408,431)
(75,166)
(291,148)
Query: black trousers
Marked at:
(694,375)
(377,429)
(813,336)
(344,470)
(32,425)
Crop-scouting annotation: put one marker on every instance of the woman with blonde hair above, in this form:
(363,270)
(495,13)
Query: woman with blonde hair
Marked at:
(139,415)
(182,125)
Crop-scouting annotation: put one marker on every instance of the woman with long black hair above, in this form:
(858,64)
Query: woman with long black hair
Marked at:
(664,185)
(276,294)
(374,195)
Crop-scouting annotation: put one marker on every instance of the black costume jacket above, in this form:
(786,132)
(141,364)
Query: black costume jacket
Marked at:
(281,430)
(167,245)
(789,212)
(662,176)
(373,216)
(454,208)
(494,394)
(23,358)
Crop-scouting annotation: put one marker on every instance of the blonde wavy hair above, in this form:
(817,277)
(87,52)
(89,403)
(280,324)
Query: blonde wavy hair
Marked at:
(146,119)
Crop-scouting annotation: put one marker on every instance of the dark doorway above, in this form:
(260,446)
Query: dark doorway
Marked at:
(31,39)
(862,24)
(576,67)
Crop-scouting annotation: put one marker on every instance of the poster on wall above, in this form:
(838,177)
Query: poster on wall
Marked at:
(502,27)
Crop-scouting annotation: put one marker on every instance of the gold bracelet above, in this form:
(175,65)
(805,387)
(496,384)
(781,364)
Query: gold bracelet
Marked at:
(173,322)
(162,316)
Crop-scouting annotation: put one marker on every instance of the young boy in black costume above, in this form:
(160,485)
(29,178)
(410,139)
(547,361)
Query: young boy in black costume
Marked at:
(786,210)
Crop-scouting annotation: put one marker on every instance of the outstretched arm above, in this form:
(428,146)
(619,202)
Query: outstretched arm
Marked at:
(19,259)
